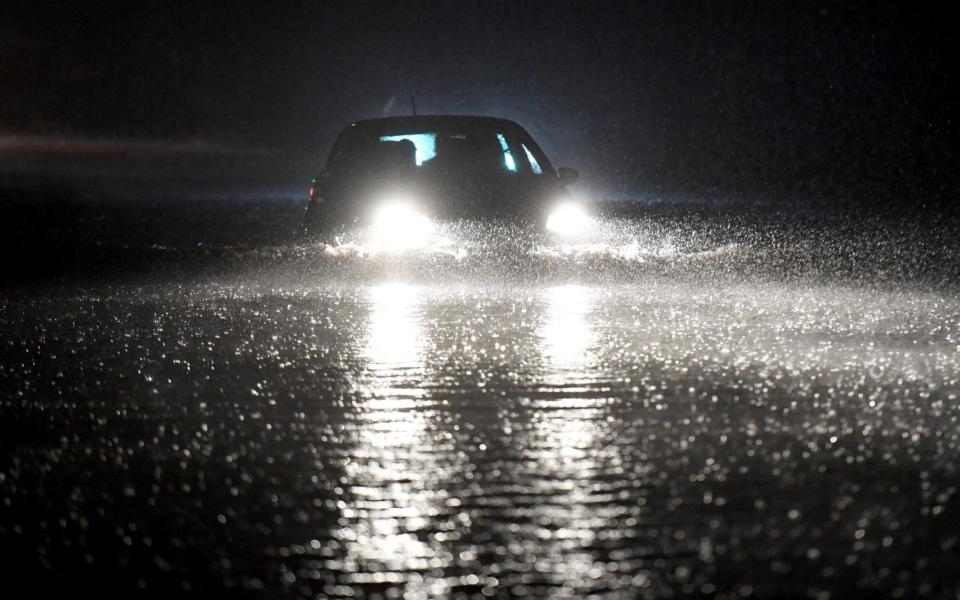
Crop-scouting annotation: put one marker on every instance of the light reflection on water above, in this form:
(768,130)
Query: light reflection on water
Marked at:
(567,335)
(543,480)
(566,444)
(417,440)
(567,426)
(388,498)
(394,339)
(395,472)
(411,502)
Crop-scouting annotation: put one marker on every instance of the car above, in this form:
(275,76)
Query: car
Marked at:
(398,177)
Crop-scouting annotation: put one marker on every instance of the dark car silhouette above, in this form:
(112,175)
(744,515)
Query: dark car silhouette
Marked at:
(400,175)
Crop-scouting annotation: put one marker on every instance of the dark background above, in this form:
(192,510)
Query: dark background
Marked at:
(853,102)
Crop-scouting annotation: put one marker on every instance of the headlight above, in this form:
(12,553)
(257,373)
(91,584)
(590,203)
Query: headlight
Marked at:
(569,219)
(398,225)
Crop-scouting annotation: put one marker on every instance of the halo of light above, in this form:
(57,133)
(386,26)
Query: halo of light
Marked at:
(398,225)
(569,219)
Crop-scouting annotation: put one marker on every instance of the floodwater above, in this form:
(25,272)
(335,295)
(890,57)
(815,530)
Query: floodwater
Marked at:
(681,411)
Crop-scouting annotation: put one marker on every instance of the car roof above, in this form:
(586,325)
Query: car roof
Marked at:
(433,122)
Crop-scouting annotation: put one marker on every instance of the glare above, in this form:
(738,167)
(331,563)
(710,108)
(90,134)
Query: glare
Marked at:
(566,333)
(398,225)
(394,338)
(569,219)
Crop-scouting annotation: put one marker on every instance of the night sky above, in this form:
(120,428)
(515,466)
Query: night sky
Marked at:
(851,99)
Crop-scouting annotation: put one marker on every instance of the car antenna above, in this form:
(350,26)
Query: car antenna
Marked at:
(413,104)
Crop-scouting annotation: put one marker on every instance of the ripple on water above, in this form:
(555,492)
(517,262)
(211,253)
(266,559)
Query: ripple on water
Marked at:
(542,440)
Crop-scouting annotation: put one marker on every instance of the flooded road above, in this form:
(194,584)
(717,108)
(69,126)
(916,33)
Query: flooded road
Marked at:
(612,428)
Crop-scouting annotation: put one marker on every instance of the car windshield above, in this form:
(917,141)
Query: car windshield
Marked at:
(480,151)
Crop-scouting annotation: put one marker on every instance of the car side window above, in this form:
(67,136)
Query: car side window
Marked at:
(509,162)
(534,165)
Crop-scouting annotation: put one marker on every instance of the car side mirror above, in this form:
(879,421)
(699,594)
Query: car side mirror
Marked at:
(317,184)
(567,175)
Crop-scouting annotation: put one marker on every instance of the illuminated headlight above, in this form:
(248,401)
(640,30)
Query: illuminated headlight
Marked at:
(398,225)
(569,219)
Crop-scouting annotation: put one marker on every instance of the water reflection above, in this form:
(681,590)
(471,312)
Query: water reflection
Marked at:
(441,455)
(566,333)
(518,442)
(570,454)
(566,427)
(391,504)
(394,339)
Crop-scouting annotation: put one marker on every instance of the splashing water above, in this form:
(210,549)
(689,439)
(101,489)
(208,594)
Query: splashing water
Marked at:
(692,406)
